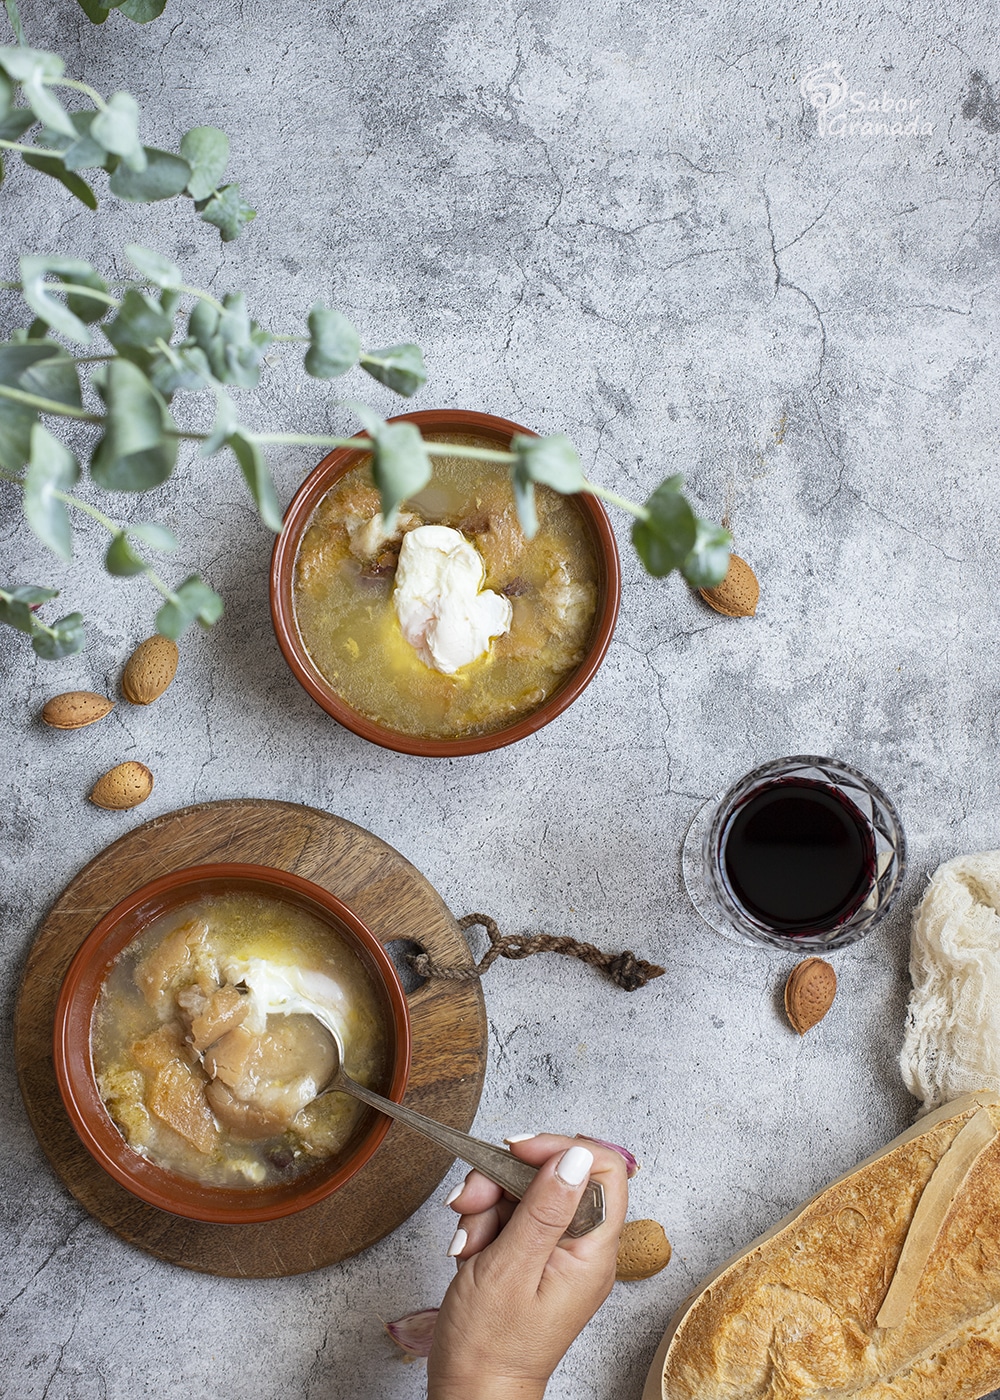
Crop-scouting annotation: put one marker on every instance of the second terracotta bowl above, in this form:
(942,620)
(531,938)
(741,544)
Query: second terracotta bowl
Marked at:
(75,1069)
(297,517)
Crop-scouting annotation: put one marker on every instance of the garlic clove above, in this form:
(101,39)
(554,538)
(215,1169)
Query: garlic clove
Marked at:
(415,1332)
(632,1164)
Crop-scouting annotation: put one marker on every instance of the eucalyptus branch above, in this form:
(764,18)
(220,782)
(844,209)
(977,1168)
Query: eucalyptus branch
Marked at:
(85,88)
(18,609)
(40,405)
(105,137)
(613,499)
(90,510)
(31,150)
(433,449)
(162,347)
(116,529)
(207,298)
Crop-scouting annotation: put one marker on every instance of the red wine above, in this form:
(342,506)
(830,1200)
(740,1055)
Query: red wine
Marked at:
(798,856)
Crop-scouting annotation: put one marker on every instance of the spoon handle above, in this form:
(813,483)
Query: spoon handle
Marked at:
(496,1163)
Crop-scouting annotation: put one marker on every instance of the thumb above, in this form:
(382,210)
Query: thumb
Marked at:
(549,1204)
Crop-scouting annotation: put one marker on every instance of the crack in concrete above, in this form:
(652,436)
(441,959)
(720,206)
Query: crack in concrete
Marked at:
(931,544)
(61,1244)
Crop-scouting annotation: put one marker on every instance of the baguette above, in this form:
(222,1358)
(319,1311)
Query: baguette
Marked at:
(858,1295)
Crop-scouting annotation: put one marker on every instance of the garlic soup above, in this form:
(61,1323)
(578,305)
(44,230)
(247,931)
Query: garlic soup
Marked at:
(208,1042)
(381,619)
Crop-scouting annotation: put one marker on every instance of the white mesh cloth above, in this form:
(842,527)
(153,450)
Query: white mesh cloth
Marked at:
(952,1042)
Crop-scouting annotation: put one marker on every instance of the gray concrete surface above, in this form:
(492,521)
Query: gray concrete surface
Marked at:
(622,221)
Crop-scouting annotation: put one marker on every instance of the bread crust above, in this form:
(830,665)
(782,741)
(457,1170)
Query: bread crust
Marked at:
(793,1317)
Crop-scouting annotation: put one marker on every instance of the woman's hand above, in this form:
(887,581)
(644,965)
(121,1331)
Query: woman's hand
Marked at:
(522,1293)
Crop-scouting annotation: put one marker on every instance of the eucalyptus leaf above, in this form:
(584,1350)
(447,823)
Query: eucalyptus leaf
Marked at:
(334,344)
(57,140)
(400,465)
(16,419)
(15,614)
(667,537)
(141,11)
(95,10)
(229,212)
(226,423)
(34,271)
(158,537)
(51,165)
(549,461)
(524,502)
(39,367)
(19,63)
(206,150)
(51,468)
(89,309)
(139,323)
(371,421)
(203,323)
(121,559)
(138,450)
(186,367)
(15,21)
(30,595)
(16,605)
(15,123)
(116,128)
(708,563)
(63,638)
(154,266)
(6,94)
(44,103)
(84,153)
(164,176)
(53,375)
(234,325)
(257,475)
(233,342)
(193,601)
(401,367)
(33,595)
(16,359)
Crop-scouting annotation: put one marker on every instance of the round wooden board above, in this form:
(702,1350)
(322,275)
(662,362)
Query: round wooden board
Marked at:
(448,1022)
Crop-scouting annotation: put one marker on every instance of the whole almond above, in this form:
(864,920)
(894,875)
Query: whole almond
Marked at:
(643,1250)
(809,993)
(124,786)
(738,593)
(149,670)
(76,708)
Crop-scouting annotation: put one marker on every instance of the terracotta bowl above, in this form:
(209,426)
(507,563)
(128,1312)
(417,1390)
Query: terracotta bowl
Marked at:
(75,1070)
(308,497)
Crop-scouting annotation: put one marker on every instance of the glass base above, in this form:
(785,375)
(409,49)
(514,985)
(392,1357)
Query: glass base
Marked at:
(693,870)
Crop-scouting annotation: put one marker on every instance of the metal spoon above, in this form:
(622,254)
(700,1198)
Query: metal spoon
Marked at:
(496,1163)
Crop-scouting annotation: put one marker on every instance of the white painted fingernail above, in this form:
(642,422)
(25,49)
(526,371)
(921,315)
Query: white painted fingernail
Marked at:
(458,1242)
(574,1166)
(454,1195)
(519,1137)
